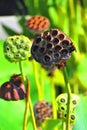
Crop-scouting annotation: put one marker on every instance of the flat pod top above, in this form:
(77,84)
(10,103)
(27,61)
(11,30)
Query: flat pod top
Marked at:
(38,23)
(51,47)
(17,47)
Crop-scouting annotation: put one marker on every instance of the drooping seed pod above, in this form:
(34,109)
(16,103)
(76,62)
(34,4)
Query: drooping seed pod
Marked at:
(13,89)
(51,47)
(37,23)
(17,48)
(42,110)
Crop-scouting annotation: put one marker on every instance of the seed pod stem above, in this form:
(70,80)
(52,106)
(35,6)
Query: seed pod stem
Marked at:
(27,106)
(37,81)
(22,73)
(69,97)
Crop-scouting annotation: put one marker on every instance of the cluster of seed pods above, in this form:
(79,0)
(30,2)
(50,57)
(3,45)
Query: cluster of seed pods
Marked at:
(42,110)
(51,47)
(62,106)
(13,89)
(37,23)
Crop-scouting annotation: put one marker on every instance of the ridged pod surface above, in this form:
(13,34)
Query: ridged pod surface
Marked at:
(51,47)
(17,48)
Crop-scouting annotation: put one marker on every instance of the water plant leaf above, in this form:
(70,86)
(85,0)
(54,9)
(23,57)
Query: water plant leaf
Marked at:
(82,71)
(81,114)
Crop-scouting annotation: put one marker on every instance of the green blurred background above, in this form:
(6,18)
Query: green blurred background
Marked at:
(70,16)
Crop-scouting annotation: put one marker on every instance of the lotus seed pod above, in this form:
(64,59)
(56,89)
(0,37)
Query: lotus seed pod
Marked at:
(17,48)
(42,110)
(13,89)
(61,101)
(38,23)
(51,47)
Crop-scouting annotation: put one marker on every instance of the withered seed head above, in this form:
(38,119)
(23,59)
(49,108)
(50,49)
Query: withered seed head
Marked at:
(42,110)
(13,89)
(51,47)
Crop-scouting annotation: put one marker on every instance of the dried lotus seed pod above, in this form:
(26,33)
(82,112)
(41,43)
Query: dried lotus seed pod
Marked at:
(17,48)
(13,89)
(51,47)
(37,23)
(42,110)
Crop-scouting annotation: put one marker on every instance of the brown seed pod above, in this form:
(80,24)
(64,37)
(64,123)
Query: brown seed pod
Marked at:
(51,47)
(38,23)
(42,110)
(13,89)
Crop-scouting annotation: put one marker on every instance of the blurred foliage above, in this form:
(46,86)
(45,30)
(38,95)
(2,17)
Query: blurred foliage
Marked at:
(71,17)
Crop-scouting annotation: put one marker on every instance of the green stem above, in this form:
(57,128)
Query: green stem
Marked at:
(69,98)
(63,125)
(32,115)
(27,106)
(41,81)
(28,101)
(53,99)
(37,81)
(21,70)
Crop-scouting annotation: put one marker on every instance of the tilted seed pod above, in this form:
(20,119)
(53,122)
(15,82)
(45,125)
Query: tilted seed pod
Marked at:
(51,47)
(42,110)
(13,89)
(17,48)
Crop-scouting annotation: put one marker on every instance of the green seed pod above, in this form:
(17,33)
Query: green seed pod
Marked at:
(17,48)
(61,103)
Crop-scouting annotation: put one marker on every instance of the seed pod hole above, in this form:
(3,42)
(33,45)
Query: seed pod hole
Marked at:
(47,58)
(55,41)
(62,108)
(49,46)
(62,100)
(56,55)
(73,117)
(64,43)
(7,49)
(50,52)
(57,48)
(48,38)
(35,48)
(54,32)
(74,102)
(41,49)
(71,48)
(61,36)
(64,52)
(65,115)
(38,40)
